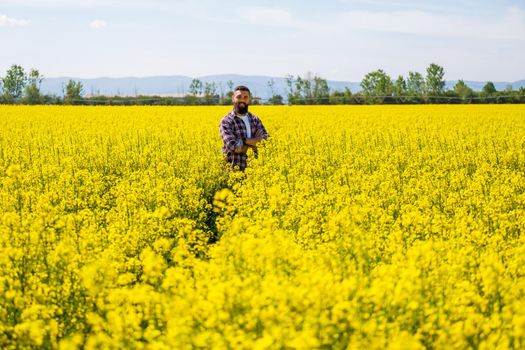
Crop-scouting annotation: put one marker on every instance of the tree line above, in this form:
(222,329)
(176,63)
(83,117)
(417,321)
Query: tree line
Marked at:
(378,87)
(21,87)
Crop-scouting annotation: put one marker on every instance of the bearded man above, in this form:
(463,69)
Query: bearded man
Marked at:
(240,130)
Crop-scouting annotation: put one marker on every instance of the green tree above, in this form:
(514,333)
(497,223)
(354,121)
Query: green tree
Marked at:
(308,89)
(488,88)
(196,87)
(230,85)
(377,85)
(73,92)
(299,89)
(32,93)
(276,100)
(341,97)
(435,83)
(14,82)
(463,90)
(227,97)
(290,80)
(415,83)
(321,91)
(271,86)
(400,86)
(210,92)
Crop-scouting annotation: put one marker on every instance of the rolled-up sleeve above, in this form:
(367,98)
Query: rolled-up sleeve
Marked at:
(232,143)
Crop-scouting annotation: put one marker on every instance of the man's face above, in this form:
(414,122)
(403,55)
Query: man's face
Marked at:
(241,101)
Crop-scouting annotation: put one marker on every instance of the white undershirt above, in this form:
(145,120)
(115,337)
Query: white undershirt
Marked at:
(246,121)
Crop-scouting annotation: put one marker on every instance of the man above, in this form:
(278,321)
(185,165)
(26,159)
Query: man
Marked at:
(240,130)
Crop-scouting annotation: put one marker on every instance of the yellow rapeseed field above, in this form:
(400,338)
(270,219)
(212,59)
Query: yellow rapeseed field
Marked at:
(357,227)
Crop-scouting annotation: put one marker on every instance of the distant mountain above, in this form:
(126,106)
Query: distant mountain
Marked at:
(178,85)
(478,85)
(167,85)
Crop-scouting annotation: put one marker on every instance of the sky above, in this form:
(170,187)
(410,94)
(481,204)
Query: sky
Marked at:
(336,39)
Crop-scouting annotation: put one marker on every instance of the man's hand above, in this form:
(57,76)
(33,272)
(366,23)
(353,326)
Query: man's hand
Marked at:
(243,149)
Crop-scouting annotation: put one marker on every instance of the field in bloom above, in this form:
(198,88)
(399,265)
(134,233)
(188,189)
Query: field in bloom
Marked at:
(361,227)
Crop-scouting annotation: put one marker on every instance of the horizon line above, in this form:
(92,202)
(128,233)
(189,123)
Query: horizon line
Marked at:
(246,75)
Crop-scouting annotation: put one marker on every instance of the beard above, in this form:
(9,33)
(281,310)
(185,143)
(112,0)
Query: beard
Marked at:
(240,108)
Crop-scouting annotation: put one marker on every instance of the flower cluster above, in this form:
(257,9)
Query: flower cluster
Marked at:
(379,227)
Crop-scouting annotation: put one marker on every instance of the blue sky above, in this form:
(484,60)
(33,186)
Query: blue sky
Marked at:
(337,39)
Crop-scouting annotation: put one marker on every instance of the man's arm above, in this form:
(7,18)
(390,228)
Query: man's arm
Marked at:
(231,142)
(254,140)
(260,134)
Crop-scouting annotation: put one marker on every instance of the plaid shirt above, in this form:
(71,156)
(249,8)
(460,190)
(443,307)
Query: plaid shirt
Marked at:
(233,132)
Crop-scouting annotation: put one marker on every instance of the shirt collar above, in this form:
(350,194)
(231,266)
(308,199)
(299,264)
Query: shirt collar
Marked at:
(233,115)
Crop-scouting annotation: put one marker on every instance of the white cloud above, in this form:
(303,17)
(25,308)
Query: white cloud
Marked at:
(509,26)
(98,23)
(266,15)
(94,4)
(12,22)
